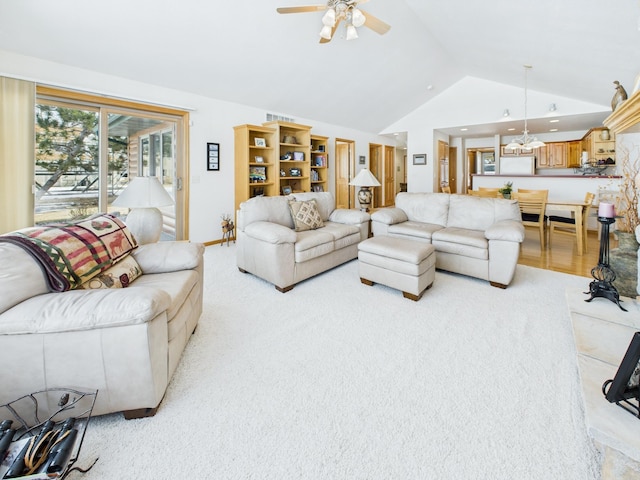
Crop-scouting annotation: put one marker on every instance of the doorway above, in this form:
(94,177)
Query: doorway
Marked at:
(345,168)
(376,169)
(389,184)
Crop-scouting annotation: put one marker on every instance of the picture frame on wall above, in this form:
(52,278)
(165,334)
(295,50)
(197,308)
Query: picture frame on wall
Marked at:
(419,158)
(362,160)
(213,156)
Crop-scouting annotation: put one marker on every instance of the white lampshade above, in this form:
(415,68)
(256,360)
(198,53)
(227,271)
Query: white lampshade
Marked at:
(326,32)
(143,192)
(365,178)
(143,195)
(329,18)
(352,33)
(357,18)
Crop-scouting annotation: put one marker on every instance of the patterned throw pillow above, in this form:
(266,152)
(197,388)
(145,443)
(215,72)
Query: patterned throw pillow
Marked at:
(119,275)
(305,215)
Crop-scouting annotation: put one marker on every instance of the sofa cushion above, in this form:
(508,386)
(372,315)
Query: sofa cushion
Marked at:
(305,215)
(119,275)
(164,257)
(77,310)
(265,209)
(478,213)
(177,285)
(313,243)
(324,201)
(423,231)
(425,207)
(461,241)
(20,276)
(343,235)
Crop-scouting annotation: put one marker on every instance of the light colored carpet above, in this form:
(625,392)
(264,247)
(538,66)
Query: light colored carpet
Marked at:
(338,380)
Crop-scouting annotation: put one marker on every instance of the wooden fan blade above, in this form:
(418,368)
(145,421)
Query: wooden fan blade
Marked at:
(308,8)
(375,23)
(333,30)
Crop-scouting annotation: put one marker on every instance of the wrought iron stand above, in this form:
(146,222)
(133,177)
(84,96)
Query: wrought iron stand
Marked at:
(602,285)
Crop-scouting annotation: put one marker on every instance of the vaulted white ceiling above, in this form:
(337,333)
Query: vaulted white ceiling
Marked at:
(247,53)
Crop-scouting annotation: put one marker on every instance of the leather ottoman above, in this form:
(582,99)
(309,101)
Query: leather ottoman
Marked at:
(398,263)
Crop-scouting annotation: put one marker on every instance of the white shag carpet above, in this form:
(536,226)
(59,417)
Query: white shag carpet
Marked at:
(338,380)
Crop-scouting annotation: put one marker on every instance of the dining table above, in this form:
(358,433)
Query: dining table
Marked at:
(577,208)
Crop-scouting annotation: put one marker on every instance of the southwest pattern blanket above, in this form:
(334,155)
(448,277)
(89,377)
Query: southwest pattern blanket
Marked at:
(72,253)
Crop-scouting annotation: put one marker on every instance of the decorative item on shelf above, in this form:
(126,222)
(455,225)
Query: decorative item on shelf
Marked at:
(259,159)
(260,142)
(525,141)
(257,174)
(286,190)
(320,161)
(604,135)
(591,167)
(506,190)
(298,156)
(295,172)
(365,179)
(227,229)
(283,173)
(143,196)
(618,97)
(286,156)
(290,139)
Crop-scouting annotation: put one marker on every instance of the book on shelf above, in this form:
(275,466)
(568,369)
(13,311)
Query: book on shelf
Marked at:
(320,161)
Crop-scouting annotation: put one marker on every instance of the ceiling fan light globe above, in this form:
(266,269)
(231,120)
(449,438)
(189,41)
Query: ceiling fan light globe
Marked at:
(329,18)
(352,33)
(513,145)
(536,143)
(326,32)
(357,18)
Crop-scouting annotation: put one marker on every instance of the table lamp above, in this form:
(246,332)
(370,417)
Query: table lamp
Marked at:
(365,179)
(143,195)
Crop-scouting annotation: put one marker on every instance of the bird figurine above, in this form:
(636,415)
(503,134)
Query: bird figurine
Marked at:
(619,97)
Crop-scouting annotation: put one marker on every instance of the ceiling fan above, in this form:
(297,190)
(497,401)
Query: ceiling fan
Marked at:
(337,11)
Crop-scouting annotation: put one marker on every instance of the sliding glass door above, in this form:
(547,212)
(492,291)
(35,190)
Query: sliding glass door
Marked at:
(87,153)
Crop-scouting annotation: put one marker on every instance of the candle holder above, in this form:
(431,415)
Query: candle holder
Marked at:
(603,274)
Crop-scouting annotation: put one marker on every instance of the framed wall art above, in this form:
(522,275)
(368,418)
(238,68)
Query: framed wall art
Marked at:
(362,160)
(213,156)
(419,158)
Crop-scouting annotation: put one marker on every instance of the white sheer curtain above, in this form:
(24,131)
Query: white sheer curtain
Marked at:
(17,151)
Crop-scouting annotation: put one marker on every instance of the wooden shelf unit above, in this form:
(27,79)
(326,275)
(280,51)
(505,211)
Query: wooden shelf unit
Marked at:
(319,163)
(293,140)
(600,150)
(247,155)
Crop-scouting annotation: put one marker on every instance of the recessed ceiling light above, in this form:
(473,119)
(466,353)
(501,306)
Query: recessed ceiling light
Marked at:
(554,121)
(510,129)
(464,129)
(553,130)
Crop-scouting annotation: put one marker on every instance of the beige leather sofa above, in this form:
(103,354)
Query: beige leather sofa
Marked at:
(474,236)
(124,342)
(270,248)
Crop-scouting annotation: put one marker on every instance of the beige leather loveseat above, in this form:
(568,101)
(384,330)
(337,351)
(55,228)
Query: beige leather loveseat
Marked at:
(270,247)
(124,342)
(474,236)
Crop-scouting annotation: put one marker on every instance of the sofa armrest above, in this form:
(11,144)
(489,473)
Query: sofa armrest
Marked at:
(270,232)
(349,216)
(389,216)
(77,310)
(163,257)
(507,230)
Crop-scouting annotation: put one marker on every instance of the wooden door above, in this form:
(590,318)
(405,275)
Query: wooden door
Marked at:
(375,167)
(453,168)
(443,164)
(389,183)
(344,169)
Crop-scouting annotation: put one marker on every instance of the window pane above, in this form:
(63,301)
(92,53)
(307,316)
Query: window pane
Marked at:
(66,163)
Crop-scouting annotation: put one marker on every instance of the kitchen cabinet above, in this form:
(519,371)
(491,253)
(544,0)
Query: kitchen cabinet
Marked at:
(574,151)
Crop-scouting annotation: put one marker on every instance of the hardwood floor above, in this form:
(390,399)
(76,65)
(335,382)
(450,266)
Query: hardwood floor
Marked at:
(561,256)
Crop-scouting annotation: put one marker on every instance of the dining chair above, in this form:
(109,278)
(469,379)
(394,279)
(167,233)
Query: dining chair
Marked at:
(446,189)
(567,225)
(486,192)
(532,210)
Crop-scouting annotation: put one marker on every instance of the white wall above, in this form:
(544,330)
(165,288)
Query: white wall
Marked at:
(471,101)
(211,193)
